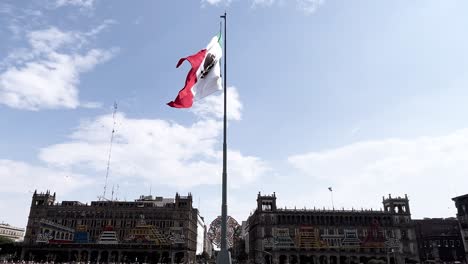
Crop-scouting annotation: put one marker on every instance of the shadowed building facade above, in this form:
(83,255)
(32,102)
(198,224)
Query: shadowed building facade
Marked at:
(292,236)
(461,203)
(151,230)
(439,240)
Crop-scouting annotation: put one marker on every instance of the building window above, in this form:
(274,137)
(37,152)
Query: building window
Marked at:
(403,234)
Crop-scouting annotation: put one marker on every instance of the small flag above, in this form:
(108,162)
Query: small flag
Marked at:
(330,189)
(205,76)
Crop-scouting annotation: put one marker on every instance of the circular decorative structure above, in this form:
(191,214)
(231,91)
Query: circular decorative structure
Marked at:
(214,233)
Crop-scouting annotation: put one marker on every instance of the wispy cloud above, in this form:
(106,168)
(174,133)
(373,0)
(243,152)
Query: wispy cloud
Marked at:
(309,6)
(215,2)
(156,150)
(306,6)
(262,3)
(213,106)
(419,167)
(5,8)
(77,3)
(20,177)
(150,151)
(47,73)
(19,20)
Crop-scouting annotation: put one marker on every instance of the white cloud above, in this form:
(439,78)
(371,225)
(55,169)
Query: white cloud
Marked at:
(155,150)
(78,3)
(213,106)
(428,169)
(20,177)
(211,2)
(19,19)
(47,74)
(244,169)
(145,151)
(309,6)
(306,6)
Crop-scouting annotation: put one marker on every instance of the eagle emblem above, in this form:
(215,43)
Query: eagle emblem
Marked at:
(210,61)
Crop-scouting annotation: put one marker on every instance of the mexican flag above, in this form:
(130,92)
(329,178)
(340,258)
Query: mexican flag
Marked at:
(205,76)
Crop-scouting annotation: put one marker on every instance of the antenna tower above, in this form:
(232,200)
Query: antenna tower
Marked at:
(116,193)
(103,197)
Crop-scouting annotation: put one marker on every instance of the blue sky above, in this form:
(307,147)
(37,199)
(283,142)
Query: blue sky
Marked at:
(365,96)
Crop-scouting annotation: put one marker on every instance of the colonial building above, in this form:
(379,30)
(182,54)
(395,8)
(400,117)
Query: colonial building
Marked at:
(439,240)
(11,232)
(151,230)
(461,202)
(290,236)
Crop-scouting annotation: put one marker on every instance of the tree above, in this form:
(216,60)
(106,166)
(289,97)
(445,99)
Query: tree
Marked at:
(6,240)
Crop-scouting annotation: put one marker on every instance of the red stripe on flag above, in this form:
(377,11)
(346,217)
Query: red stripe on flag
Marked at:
(185,97)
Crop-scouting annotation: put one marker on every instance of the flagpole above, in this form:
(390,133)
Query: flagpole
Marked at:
(331,193)
(333,204)
(224,256)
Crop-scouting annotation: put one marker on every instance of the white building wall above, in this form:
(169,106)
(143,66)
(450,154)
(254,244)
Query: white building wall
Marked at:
(15,233)
(200,235)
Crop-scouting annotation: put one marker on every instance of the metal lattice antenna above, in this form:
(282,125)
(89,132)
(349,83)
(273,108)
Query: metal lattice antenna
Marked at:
(110,150)
(117,193)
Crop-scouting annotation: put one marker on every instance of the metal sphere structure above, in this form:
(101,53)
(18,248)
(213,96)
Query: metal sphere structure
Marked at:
(214,232)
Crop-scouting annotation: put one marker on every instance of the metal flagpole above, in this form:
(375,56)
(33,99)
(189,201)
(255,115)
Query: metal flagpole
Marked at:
(224,256)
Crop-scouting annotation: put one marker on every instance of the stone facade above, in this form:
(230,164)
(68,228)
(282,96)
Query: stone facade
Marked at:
(152,230)
(14,233)
(291,236)
(439,240)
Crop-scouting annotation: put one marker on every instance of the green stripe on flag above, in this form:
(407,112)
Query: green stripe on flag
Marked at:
(220,39)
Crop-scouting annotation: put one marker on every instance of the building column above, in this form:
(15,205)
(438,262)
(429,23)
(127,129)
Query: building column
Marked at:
(99,256)
(172,257)
(119,255)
